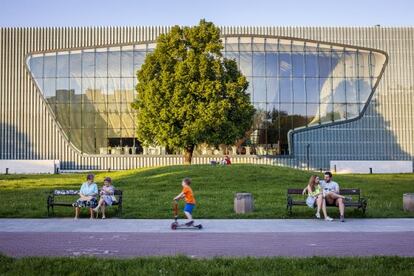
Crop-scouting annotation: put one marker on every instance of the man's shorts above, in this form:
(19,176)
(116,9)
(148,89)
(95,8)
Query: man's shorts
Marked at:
(189,208)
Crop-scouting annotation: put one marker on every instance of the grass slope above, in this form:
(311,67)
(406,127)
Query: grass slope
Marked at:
(148,193)
(216,266)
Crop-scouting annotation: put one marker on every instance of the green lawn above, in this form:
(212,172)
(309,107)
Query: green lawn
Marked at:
(148,193)
(217,266)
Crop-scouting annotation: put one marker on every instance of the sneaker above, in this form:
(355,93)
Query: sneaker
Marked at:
(103,217)
(318,215)
(328,219)
(342,219)
(190,223)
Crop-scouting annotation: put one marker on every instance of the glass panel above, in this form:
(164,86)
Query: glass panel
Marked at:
(139,58)
(299,115)
(285,90)
(127,90)
(363,64)
(338,69)
(114,62)
(326,113)
(88,63)
(298,65)
(101,89)
(62,112)
(114,90)
(36,66)
(246,63)
(75,64)
(352,111)
(75,86)
(101,140)
(258,44)
(339,95)
(49,87)
(258,64)
(63,64)
(365,90)
(351,87)
(324,63)
(312,90)
(285,67)
(272,64)
(245,44)
(271,44)
(127,69)
(259,88)
(50,65)
(285,45)
(299,90)
(350,64)
(339,111)
(88,87)
(311,60)
(272,90)
(325,90)
(76,116)
(101,57)
(63,94)
(88,140)
(312,113)
(232,44)
(297,46)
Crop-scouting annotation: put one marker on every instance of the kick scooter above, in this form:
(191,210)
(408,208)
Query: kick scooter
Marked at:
(176,225)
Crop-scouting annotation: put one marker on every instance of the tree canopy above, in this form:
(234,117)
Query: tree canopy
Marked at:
(189,94)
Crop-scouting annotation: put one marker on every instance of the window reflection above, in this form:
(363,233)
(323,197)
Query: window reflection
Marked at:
(292,84)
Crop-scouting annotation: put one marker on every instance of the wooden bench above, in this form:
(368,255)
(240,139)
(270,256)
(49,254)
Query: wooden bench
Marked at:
(295,198)
(55,198)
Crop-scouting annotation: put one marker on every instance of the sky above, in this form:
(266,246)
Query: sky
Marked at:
(51,13)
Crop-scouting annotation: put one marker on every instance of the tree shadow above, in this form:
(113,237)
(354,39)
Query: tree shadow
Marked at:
(15,144)
(368,138)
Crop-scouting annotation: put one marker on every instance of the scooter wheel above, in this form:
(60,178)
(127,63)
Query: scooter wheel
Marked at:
(173,226)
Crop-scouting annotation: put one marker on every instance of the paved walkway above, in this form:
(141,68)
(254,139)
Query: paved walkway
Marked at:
(130,237)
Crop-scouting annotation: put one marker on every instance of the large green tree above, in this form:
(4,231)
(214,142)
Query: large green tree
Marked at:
(189,94)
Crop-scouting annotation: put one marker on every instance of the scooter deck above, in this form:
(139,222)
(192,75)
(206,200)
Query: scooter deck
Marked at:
(175,226)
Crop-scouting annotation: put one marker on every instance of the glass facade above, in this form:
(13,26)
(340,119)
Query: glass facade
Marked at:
(293,84)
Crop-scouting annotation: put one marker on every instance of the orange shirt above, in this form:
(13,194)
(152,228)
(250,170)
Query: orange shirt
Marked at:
(188,195)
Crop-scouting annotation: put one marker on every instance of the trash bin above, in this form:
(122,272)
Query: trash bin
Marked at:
(243,203)
(408,202)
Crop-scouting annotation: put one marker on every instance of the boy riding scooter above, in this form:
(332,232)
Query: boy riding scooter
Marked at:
(188,195)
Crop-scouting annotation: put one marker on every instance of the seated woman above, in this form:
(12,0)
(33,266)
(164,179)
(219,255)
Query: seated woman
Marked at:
(107,196)
(87,193)
(314,191)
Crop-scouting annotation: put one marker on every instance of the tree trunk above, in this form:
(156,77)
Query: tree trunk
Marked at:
(188,154)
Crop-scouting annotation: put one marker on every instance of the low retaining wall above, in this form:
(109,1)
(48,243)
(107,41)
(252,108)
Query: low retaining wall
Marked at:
(371,166)
(29,166)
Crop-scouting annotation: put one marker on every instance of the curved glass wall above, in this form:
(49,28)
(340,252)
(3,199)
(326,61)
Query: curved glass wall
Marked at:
(293,84)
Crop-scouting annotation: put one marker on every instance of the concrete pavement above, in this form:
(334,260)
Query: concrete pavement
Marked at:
(209,226)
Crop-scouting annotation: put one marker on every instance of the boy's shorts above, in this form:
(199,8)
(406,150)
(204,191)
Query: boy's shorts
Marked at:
(189,208)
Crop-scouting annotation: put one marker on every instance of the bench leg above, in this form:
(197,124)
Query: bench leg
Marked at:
(289,209)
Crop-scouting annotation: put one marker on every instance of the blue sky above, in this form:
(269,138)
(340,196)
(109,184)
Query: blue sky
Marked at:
(20,13)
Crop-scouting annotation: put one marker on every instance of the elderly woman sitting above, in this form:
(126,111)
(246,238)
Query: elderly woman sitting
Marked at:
(88,193)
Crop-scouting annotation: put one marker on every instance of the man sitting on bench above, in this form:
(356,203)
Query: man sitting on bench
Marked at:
(330,190)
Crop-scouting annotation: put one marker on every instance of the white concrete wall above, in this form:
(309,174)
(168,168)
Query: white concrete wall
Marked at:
(377,166)
(29,166)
